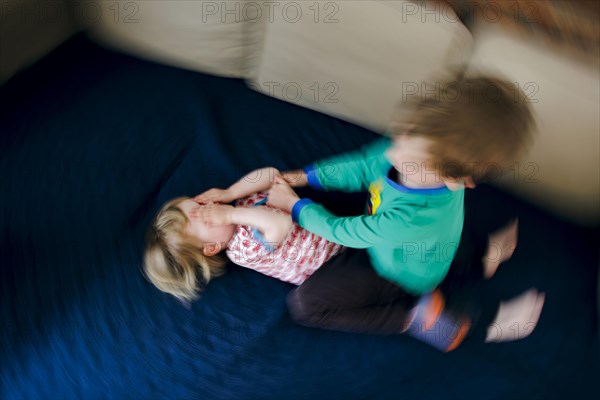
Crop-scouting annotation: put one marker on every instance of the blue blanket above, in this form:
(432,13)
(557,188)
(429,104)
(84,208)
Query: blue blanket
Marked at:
(93,142)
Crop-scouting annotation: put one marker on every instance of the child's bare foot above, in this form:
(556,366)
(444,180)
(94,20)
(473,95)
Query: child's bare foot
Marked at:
(501,246)
(516,318)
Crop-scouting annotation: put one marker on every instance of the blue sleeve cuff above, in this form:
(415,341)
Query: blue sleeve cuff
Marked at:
(300,204)
(313,179)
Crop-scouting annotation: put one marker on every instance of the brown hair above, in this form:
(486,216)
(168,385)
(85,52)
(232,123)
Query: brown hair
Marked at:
(173,262)
(473,123)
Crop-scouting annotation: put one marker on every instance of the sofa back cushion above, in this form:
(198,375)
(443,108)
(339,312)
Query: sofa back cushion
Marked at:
(217,37)
(358,60)
(562,171)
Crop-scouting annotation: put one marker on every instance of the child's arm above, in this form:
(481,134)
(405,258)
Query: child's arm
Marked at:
(358,232)
(273,226)
(256,181)
(349,172)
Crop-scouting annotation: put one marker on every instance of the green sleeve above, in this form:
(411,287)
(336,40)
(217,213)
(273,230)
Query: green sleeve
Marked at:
(352,171)
(387,228)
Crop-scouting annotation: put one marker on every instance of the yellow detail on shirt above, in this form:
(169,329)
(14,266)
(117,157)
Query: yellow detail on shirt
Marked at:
(375,189)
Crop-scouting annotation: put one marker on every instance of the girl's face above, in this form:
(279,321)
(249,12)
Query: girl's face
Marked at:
(205,234)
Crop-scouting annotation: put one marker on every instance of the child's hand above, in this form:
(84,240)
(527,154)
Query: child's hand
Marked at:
(281,195)
(295,178)
(215,195)
(216,214)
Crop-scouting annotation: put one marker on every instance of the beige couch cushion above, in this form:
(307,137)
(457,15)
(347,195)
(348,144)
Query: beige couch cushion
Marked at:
(562,172)
(356,59)
(217,37)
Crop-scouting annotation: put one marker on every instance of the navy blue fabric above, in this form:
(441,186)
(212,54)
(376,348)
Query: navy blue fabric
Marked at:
(93,142)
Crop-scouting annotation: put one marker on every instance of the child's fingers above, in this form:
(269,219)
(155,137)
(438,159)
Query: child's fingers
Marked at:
(210,215)
(282,181)
(208,220)
(208,196)
(293,177)
(290,176)
(201,199)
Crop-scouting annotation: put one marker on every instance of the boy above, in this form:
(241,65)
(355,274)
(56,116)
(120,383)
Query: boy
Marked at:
(414,217)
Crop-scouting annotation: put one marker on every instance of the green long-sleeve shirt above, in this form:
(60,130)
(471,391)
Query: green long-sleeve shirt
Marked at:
(411,235)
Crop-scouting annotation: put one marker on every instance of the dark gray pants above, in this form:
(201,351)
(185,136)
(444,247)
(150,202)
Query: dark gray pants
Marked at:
(346,293)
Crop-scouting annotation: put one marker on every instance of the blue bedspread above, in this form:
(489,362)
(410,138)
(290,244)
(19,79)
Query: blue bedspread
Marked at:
(92,142)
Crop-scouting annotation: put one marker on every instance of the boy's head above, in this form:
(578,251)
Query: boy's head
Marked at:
(471,128)
(179,259)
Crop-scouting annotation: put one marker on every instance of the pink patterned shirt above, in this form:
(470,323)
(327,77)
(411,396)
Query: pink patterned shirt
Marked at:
(296,258)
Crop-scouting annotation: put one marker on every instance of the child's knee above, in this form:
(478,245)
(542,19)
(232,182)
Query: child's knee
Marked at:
(303,308)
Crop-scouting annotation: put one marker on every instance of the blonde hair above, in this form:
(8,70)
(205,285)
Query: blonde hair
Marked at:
(173,262)
(473,123)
